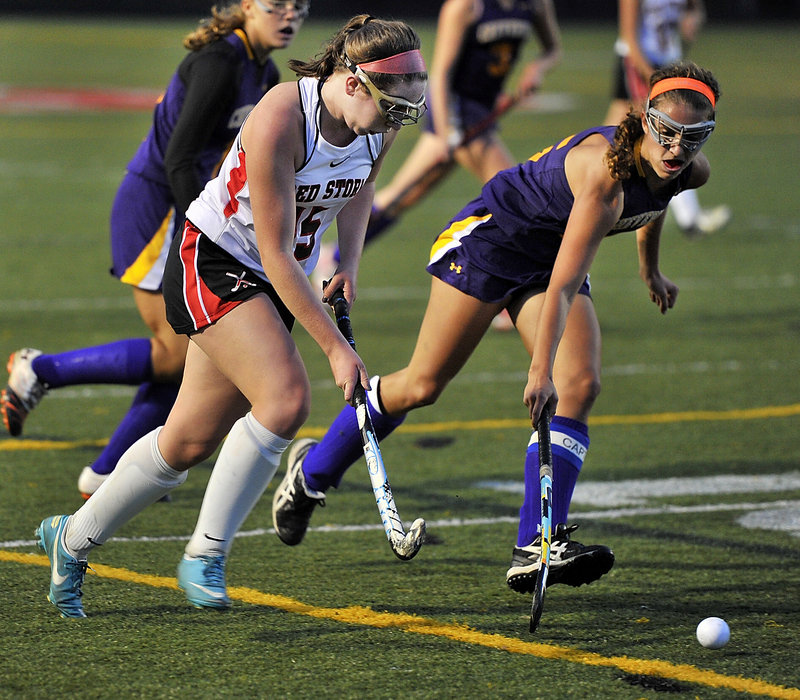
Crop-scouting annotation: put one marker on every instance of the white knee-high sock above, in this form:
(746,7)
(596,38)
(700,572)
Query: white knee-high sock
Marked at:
(140,478)
(686,208)
(246,464)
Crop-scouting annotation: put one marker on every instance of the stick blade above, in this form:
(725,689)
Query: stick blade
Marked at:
(406,548)
(537,604)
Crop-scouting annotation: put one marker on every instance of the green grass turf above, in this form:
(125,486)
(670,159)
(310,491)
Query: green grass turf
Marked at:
(672,387)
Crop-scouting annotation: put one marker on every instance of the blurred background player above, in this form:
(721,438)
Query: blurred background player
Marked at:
(478,43)
(213,89)
(236,280)
(526,244)
(652,34)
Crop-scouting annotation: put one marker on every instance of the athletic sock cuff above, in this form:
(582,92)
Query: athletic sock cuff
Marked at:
(570,424)
(267,441)
(166,475)
(374,395)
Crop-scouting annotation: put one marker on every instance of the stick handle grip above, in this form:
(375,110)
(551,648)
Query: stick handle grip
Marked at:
(342,313)
(545,447)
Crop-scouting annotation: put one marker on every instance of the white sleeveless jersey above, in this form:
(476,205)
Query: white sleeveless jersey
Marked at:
(659,31)
(328,179)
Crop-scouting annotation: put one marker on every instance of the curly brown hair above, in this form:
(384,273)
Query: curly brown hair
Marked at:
(222,22)
(619,157)
(363,39)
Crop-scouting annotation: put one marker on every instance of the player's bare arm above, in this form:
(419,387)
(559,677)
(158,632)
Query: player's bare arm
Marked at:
(545,25)
(351,225)
(273,144)
(663,292)
(597,206)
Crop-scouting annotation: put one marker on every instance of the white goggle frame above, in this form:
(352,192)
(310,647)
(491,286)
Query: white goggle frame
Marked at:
(667,132)
(397,111)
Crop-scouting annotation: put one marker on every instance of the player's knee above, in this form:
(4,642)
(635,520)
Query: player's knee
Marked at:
(287,414)
(169,360)
(423,392)
(583,389)
(188,453)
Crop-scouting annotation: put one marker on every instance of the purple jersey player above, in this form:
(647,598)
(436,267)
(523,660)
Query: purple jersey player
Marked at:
(213,89)
(526,244)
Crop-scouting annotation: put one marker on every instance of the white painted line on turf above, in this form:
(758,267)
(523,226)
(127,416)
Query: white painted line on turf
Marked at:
(787,510)
(629,492)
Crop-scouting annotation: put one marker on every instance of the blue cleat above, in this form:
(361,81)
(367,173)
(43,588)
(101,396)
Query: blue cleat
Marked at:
(66,572)
(203,581)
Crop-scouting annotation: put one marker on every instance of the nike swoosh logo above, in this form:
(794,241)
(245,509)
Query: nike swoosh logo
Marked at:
(208,591)
(337,163)
(213,539)
(58,579)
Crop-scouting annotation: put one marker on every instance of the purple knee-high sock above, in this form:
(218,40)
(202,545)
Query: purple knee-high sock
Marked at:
(327,461)
(122,362)
(570,441)
(149,410)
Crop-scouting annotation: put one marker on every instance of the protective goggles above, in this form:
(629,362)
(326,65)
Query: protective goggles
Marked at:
(397,111)
(284,7)
(667,132)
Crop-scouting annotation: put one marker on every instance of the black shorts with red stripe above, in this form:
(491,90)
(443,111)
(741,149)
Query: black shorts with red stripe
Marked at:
(203,282)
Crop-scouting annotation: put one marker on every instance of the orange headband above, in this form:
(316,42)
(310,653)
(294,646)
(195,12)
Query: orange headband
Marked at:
(668,84)
(400,63)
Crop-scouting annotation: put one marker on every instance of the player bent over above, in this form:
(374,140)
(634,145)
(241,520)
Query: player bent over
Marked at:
(526,244)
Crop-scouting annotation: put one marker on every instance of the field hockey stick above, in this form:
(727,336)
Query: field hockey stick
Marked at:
(404,544)
(546,529)
(414,192)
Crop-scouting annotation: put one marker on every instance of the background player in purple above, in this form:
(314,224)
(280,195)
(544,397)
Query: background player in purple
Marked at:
(213,89)
(478,43)
(652,34)
(526,244)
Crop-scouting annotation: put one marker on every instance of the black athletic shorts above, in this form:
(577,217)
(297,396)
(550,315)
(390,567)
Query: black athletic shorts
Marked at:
(203,282)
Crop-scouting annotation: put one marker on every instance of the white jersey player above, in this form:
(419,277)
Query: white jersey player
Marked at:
(327,180)
(235,282)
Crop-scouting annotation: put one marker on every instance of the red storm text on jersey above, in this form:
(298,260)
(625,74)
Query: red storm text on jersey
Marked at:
(329,178)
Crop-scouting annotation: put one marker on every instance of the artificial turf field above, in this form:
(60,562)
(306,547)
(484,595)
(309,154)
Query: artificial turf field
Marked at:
(693,476)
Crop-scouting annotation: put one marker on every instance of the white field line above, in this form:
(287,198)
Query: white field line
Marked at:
(786,511)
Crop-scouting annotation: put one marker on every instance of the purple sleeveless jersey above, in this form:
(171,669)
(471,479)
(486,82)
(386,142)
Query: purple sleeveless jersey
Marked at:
(506,240)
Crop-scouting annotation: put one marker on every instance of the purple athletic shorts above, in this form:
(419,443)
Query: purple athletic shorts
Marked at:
(143,224)
(474,255)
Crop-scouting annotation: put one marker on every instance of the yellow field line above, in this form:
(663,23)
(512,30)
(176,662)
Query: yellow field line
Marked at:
(499,424)
(413,624)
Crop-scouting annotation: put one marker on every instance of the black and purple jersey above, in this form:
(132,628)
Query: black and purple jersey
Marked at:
(200,113)
(506,241)
(491,48)
(535,195)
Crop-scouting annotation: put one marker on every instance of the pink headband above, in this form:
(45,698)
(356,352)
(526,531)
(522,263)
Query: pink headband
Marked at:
(399,64)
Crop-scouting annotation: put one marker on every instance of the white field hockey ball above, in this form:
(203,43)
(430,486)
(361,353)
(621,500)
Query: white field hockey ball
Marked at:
(713,633)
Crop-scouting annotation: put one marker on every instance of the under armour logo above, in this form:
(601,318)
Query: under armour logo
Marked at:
(455,267)
(240,281)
